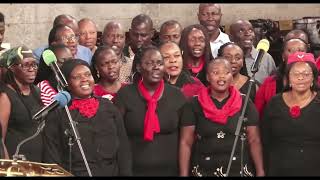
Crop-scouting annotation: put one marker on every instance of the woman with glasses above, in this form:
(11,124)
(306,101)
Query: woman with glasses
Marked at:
(290,123)
(153,113)
(45,78)
(19,102)
(106,70)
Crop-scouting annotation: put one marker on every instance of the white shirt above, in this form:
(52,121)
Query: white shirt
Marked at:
(215,45)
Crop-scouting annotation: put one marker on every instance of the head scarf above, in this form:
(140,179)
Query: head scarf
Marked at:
(15,56)
(301,57)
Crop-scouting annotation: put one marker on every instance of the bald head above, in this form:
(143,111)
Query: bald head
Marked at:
(88,33)
(297,34)
(242,33)
(114,36)
(67,20)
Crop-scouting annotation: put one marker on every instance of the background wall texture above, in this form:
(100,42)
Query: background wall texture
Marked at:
(30,23)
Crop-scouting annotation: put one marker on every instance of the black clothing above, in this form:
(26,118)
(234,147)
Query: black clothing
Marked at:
(103,139)
(291,145)
(21,125)
(160,156)
(201,75)
(213,143)
(245,87)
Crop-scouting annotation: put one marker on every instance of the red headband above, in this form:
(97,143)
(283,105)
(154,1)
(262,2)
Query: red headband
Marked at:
(301,57)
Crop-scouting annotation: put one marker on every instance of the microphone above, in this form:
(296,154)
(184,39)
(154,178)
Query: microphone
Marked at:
(61,99)
(262,47)
(51,60)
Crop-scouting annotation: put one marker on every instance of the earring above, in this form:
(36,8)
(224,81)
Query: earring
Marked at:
(311,85)
(169,78)
(132,76)
(98,75)
(290,85)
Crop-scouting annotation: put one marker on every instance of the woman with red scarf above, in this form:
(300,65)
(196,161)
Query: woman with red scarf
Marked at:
(196,50)
(290,123)
(274,84)
(176,74)
(106,70)
(206,141)
(153,113)
(100,126)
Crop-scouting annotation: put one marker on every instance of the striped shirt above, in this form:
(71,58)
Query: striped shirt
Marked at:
(47,92)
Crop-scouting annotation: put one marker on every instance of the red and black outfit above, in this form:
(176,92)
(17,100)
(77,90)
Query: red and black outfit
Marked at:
(200,71)
(103,138)
(189,86)
(215,124)
(153,124)
(98,90)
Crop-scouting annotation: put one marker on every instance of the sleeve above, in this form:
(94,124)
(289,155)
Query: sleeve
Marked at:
(52,139)
(271,63)
(124,155)
(187,114)
(259,99)
(252,114)
(119,101)
(265,130)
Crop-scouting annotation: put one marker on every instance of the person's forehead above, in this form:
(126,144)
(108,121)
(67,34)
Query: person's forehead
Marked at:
(141,27)
(196,31)
(172,27)
(87,24)
(114,30)
(300,66)
(65,30)
(169,47)
(209,7)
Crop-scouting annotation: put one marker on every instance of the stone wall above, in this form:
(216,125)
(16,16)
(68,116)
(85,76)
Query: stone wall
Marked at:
(30,23)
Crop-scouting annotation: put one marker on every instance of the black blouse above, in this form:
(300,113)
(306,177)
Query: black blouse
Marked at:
(160,156)
(291,145)
(103,139)
(213,144)
(21,125)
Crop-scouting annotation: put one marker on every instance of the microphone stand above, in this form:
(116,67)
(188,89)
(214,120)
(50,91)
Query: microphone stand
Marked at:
(18,156)
(72,124)
(238,129)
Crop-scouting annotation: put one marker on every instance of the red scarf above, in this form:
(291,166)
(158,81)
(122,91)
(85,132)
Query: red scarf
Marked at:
(196,70)
(232,106)
(87,107)
(151,121)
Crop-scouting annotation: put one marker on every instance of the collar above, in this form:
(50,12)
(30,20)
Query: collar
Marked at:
(222,38)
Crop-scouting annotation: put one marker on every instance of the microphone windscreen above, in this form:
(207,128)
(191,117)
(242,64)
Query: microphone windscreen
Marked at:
(62,98)
(263,45)
(48,57)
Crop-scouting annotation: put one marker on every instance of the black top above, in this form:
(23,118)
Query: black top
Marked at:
(160,156)
(213,145)
(21,125)
(103,139)
(201,75)
(245,87)
(291,145)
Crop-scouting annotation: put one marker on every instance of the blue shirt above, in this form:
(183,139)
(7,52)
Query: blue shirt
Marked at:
(83,53)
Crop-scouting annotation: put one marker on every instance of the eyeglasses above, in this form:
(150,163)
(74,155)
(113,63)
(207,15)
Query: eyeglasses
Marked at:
(70,38)
(303,74)
(26,67)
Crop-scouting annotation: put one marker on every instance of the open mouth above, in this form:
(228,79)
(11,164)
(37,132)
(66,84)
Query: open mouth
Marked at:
(221,83)
(85,86)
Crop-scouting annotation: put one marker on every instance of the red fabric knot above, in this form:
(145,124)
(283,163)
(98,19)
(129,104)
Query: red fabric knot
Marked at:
(196,70)
(151,121)
(86,107)
(232,106)
(295,111)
